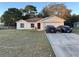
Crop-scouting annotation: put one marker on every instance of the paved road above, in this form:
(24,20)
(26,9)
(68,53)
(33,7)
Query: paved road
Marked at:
(64,44)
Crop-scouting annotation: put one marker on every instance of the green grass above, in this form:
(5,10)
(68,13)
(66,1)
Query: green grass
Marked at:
(75,30)
(22,43)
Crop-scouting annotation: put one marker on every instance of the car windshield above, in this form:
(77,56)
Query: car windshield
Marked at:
(67,28)
(50,26)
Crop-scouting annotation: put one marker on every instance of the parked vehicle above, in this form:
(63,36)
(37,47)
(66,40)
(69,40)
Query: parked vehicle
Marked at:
(64,29)
(50,29)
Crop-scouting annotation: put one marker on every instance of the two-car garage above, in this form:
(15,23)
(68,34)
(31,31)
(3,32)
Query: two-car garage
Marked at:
(55,21)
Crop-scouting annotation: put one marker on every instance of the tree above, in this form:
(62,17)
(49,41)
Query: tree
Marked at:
(11,16)
(40,15)
(29,10)
(71,20)
(27,16)
(57,9)
(45,12)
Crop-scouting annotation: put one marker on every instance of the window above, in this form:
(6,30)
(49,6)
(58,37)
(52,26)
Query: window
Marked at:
(22,25)
(32,25)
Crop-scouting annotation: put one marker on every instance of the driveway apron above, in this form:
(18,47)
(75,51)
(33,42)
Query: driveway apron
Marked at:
(64,44)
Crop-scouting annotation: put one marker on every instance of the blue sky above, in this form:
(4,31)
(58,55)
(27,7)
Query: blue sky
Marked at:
(74,6)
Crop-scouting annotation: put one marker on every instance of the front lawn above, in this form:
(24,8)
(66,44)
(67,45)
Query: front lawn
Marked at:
(76,30)
(22,43)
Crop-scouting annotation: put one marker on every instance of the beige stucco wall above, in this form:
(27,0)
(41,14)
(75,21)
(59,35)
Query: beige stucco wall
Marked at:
(27,25)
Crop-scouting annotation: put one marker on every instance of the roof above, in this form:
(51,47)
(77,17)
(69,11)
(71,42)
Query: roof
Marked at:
(33,19)
(53,19)
(47,19)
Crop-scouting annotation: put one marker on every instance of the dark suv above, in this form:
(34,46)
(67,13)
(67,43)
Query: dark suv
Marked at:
(64,29)
(50,29)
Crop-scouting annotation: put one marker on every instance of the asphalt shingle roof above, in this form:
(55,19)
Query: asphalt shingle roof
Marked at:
(33,19)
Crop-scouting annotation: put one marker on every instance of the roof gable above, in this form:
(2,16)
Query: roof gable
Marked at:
(53,19)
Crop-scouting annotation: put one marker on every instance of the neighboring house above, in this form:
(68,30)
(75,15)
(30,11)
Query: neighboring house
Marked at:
(39,23)
(76,24)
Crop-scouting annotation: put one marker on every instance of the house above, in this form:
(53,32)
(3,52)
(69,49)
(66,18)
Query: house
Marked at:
(39,23)
(76,24)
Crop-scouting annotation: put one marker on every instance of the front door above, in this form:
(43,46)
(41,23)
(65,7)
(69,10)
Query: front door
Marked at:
(38,25)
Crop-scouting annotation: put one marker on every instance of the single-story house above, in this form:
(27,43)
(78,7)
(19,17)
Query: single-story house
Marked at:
(39,23)
(76,24)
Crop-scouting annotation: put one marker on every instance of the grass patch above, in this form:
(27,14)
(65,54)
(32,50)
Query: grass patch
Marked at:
(75,30)
(24,43)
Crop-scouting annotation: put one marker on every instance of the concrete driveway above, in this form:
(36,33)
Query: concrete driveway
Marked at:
(64,44)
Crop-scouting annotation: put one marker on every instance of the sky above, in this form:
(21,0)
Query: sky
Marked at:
(74,6)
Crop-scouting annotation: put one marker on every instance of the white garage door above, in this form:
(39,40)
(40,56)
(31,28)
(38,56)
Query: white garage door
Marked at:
(54,24)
